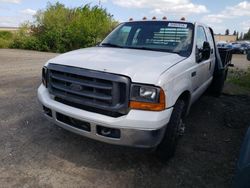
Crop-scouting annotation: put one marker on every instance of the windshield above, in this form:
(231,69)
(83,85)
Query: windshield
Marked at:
(173,37)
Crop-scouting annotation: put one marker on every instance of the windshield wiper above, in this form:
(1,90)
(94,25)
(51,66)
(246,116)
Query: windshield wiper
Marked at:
(138,48)
(111,45)
(153,49)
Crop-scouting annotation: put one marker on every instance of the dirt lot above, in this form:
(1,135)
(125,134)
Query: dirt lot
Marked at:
(240,62)
(35,153)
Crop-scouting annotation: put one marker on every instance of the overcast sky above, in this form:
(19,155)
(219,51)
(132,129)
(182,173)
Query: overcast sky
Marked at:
(220,14)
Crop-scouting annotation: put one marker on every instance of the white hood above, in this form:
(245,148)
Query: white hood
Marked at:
(140,65)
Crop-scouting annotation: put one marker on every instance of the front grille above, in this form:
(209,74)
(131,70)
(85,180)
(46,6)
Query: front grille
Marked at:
(94,91)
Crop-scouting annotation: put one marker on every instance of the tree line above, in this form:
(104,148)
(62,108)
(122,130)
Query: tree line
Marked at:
(61,29)
(240,36)
(58,28)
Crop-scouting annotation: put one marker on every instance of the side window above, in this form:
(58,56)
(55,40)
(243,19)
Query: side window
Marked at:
(210,38)
(201,37)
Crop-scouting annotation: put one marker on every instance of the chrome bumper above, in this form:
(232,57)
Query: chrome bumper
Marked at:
(128,137)
(144,129)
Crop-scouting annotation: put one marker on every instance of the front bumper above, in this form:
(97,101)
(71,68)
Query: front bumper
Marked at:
(138,128)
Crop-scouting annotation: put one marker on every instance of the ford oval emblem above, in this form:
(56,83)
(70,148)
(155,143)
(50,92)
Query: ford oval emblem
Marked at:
(76,87)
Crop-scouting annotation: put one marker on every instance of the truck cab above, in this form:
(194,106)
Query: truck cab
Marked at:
(136,87)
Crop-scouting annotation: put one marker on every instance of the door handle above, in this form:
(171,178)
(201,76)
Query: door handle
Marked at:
(193,74)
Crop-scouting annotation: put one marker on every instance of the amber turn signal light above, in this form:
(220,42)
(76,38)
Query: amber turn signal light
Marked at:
(150,106)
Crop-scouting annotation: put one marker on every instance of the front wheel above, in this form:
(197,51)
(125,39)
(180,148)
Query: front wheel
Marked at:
(175,127)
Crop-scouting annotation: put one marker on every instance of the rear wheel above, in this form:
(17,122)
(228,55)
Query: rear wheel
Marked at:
(175,128)
(217,85)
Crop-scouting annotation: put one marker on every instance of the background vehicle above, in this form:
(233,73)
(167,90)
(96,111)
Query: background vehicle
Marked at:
(222,44)
(248,48)
(244,46)
(137,86)
(229,46)
(238,48)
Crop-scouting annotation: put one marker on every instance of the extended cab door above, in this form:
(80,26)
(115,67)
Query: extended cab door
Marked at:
(203,65)
(212,58)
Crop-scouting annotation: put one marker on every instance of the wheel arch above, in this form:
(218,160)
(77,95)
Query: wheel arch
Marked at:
(186,97)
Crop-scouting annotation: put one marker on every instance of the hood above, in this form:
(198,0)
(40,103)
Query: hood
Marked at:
(140,65)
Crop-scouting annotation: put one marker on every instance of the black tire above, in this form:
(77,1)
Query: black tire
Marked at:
(167,147)
(217,85)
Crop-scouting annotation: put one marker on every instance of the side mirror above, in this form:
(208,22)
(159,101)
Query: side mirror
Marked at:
(203,53)
(248,55)
(206,51)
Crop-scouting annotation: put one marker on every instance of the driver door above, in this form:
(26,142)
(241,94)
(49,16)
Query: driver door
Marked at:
(202,64)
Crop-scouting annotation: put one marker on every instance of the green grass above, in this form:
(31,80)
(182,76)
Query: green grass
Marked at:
(6,38)
(240,78)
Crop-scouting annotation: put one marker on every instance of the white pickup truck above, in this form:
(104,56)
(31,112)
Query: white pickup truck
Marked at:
(137,86)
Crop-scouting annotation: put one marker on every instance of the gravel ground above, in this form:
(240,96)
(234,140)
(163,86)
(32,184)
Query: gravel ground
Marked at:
(240,62)
(35,153)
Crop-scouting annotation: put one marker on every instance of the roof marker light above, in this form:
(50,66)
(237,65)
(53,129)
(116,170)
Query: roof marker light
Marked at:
(130,19)
(164,18)
(144,18)
(183,19)
(154,18)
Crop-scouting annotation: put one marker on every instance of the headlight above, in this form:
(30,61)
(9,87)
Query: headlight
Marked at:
(45,76)
(147,98)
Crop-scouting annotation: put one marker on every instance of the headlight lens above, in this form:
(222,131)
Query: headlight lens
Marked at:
(147,97)
(144,93)
(45,76)
(148,93)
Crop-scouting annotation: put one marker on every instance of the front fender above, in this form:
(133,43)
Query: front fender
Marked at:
(175,88)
